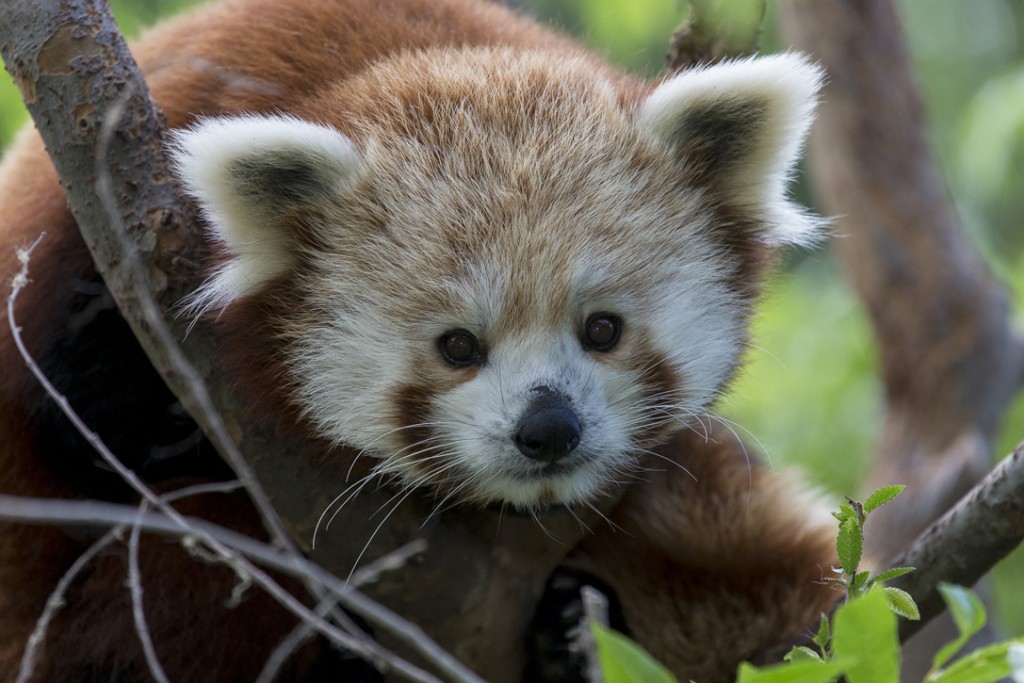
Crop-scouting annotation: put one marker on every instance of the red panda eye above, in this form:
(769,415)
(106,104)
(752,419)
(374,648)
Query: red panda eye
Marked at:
(602,332)
(460,348)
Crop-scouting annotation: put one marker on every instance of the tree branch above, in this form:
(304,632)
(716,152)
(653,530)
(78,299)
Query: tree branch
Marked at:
(951,360)
(967,541)
(108,150)
(56,601)
(950,364)
(69,513)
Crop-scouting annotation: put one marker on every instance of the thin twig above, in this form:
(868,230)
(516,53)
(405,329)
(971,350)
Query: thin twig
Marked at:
(396,559)
(295,639)
(197,534)
(200,489)
(302,631)
(135,590)
(199,395)
(56,601)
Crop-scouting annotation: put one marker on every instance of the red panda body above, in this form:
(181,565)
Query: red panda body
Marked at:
(510,206)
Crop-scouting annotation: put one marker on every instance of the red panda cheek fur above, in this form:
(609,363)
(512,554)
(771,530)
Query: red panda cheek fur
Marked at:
(714,569)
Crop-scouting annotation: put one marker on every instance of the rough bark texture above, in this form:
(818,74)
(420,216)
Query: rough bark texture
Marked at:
(962,546)
(73,68)
(950,360)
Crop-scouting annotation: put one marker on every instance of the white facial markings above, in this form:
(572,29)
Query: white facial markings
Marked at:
(689,321)
(676,308)
(480,418)
(527,204)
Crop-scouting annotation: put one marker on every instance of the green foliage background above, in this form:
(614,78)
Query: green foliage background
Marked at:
(809,393)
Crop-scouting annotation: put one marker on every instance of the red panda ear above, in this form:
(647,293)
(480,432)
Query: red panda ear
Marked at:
(250,174)
(738,127)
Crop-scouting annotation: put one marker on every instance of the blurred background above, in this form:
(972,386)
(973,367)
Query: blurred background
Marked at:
(809,394)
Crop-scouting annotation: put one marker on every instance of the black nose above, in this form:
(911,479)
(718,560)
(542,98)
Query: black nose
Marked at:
(549,429)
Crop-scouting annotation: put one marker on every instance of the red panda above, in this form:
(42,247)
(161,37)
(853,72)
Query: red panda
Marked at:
(462,245)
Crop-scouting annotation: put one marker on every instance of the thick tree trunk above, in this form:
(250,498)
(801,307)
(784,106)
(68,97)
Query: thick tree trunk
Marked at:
(950,359)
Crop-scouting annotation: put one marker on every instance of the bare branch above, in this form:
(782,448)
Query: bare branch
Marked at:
(194,535)
(967,541)
(295,639)
(303,631)
(56,601)
(388,563)
(135,589)
(235,546)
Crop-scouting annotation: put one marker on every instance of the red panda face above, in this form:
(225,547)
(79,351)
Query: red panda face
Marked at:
(506,283)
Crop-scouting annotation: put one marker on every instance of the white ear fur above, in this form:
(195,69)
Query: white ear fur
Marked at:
(249,172)
(741,125)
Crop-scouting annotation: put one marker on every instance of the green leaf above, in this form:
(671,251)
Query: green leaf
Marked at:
(824,634)
(849,544)
(984,665)
(864,639)
(860,581)
(801,653)
(901,603)
(802,672)
(968,615)
(890,574)
(845,512)
(882,496)
(623,661)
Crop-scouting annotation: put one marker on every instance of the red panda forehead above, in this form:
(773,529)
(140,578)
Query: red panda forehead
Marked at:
(433,95)
(532,164)
(494,254)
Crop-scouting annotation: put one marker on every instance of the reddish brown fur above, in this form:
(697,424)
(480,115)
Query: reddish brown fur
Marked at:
(719,552)
(273,56)
(413,402)
(249,55)
(660,382)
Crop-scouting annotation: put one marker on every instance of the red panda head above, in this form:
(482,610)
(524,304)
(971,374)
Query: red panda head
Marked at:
(505,277)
